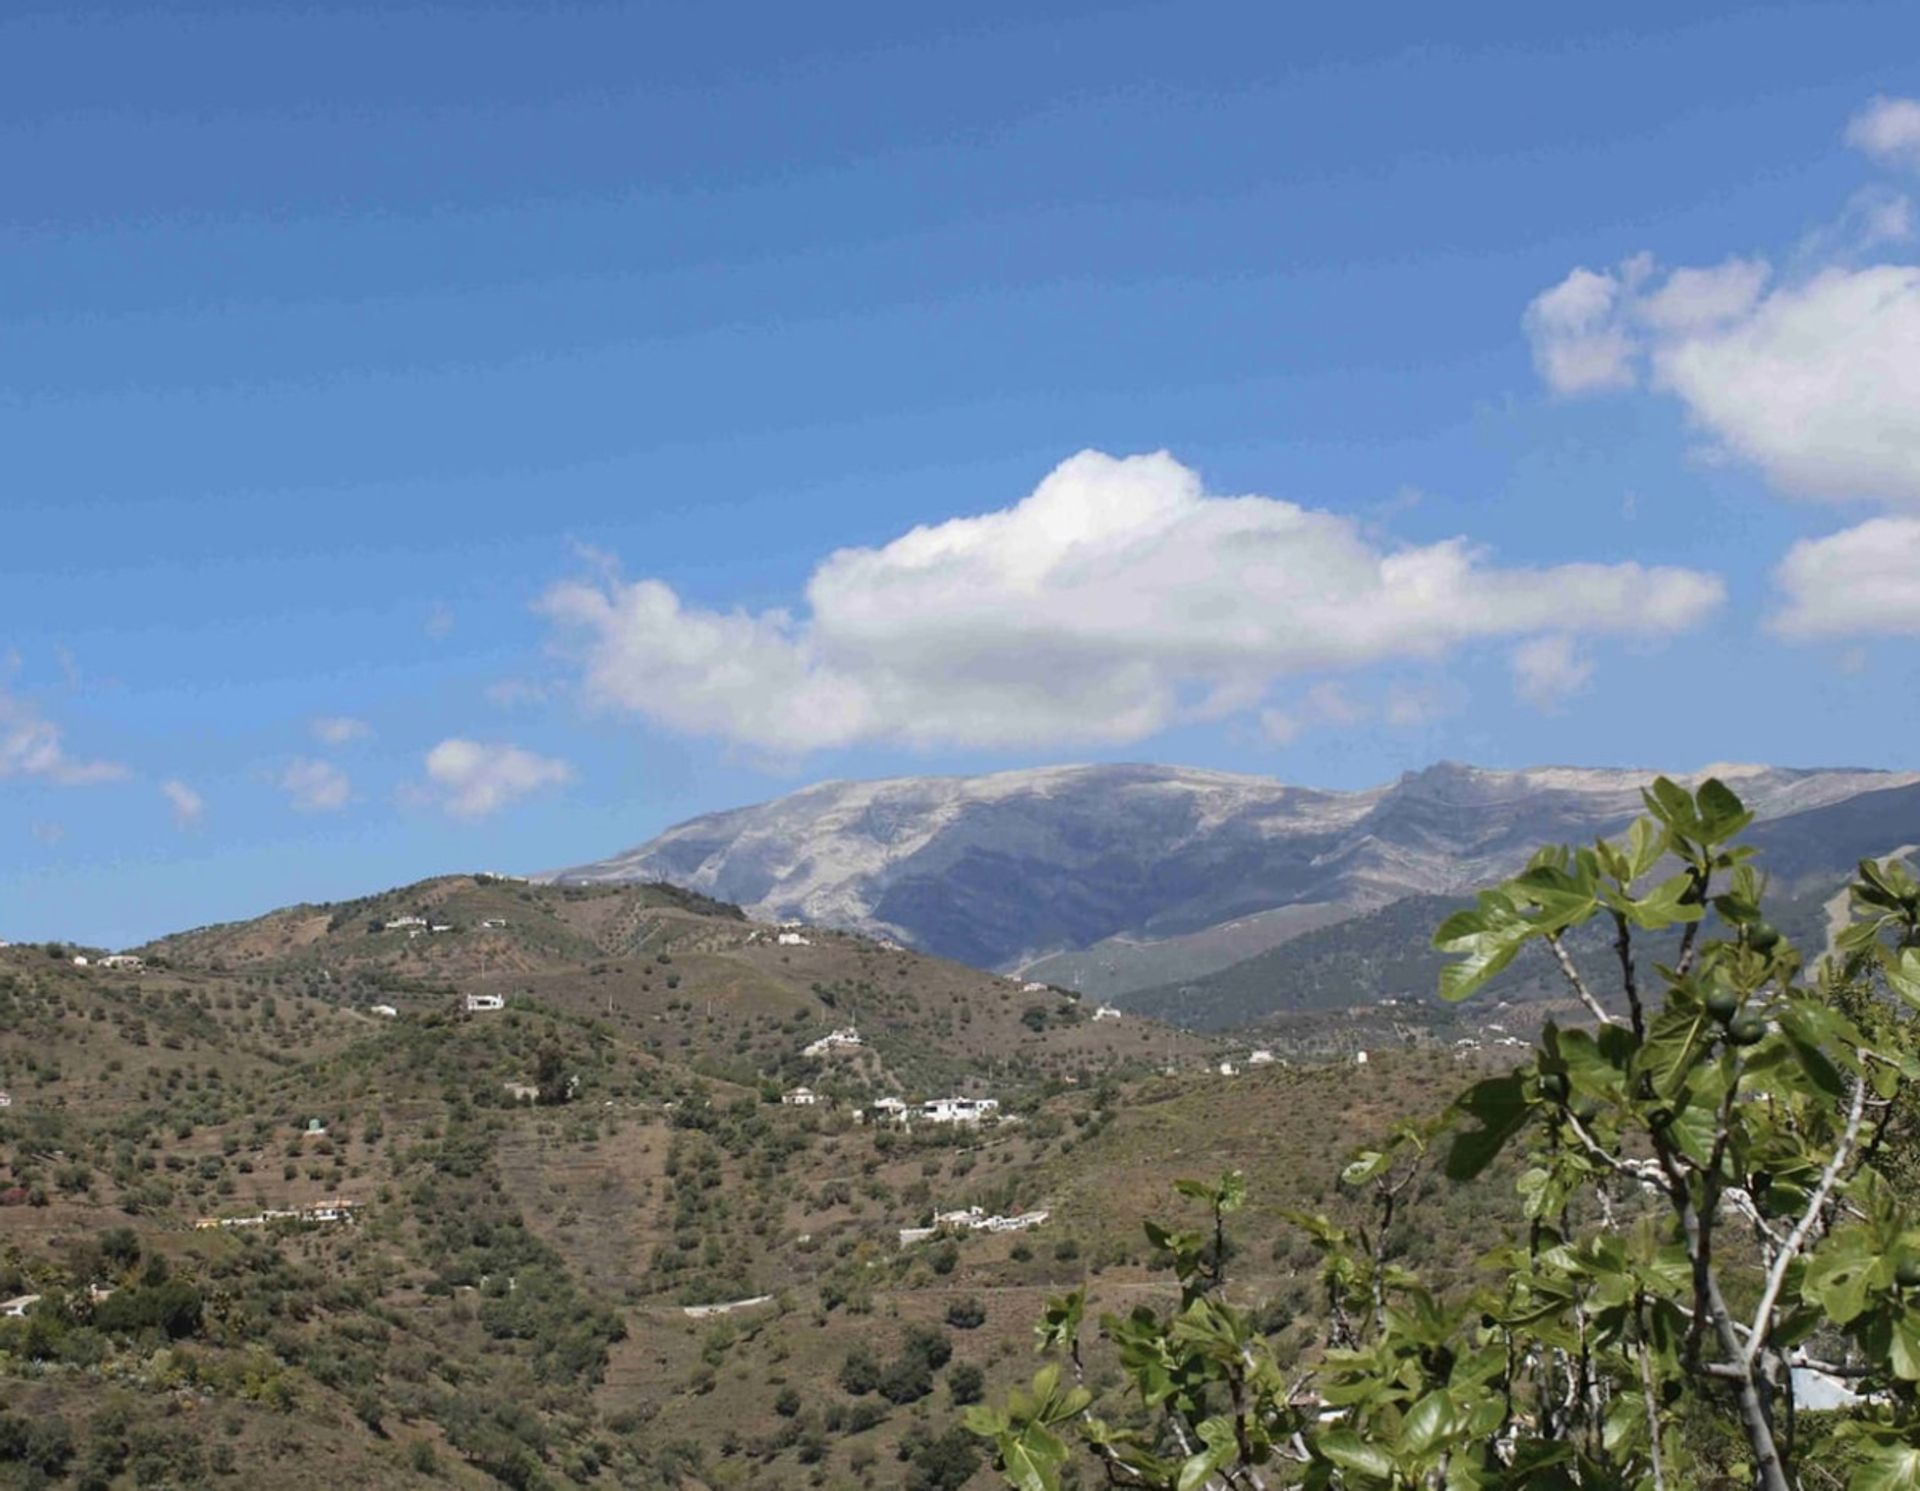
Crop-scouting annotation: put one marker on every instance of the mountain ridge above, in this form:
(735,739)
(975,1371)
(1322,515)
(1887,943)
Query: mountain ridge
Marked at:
(1090,876)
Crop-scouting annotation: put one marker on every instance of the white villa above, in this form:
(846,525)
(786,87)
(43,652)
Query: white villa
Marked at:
(123,960)
(800,1097)
(793,939)
(494,923)
(1106,1012)
(386,1011)
(80,960)
(890,1108)
(1260,1058)
(1228,1069)
(1033,987)
(6,1100)
(958,1110)
(400,922)
(477,1003)
(845,1039)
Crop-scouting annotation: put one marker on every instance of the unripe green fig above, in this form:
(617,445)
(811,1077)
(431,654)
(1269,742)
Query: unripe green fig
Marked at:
(1907,1272)
(1723,1005)
(1763,937)
(1553,1086)
(1748,1030)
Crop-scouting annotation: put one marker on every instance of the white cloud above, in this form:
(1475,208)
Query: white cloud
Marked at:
(1117,599)
(316,786)
(1278,727)
(1548,671)
(1580,342)
(1818,385)
(32,746)
(474,779)
(187,804)
(1811,377)
(340,729)
(1861,581)
(1888,129)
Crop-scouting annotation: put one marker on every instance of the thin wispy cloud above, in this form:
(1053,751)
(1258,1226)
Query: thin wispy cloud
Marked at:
(188,805)
(314,786)
(340,729)
(33,746)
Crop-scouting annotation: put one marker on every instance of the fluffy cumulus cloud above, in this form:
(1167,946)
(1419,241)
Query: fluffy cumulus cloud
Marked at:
(472,779)
(1861,581)
(187,805)
(1548,671)
(1117,599)
(340,729)
(32,746)
(1888,129)
(316,786)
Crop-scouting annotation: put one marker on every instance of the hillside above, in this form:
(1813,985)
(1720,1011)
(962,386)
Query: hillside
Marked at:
(510,1302)
(1111,879)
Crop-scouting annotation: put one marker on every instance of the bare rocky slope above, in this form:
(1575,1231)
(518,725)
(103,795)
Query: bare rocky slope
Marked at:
(1118,878)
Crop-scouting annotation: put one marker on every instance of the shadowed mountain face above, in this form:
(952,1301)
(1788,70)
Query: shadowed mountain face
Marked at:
(1113,878)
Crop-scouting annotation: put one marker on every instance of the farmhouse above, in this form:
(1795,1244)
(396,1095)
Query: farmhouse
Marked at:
(846,1039)
(958,1110)
(125,961)
(1106,1012)
(80,960)
(385,1011)
(400,922)
(793,939)
(1260,1058)
(800,1097)
(477,1003)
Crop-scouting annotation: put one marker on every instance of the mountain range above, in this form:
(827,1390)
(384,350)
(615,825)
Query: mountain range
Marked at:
(1117,880)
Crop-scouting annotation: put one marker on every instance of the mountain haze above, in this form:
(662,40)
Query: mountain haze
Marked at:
(1118,878)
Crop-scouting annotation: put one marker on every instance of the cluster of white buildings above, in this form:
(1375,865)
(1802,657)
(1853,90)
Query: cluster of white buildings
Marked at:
(335,1209)
(973,1219)
(934,1110)
(401,923)
(845,1039)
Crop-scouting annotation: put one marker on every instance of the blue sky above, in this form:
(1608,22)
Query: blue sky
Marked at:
(478,437)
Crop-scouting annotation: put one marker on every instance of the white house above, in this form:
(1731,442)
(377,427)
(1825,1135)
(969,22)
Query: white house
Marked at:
(1033,987)
(386,1011)
(494,923)
(122,960)
(1359,1058)
(845,1039)
(1106,1012)
(1228,1069)
(958,1110)
(793,939)
(476,1003)
(79,960)
(6,1100)
(441,927)
(1260,1058)
(888,1108)
(799,1097)
(405,921)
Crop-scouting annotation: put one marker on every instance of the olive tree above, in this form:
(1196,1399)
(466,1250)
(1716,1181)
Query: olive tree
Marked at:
(1704,1168)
